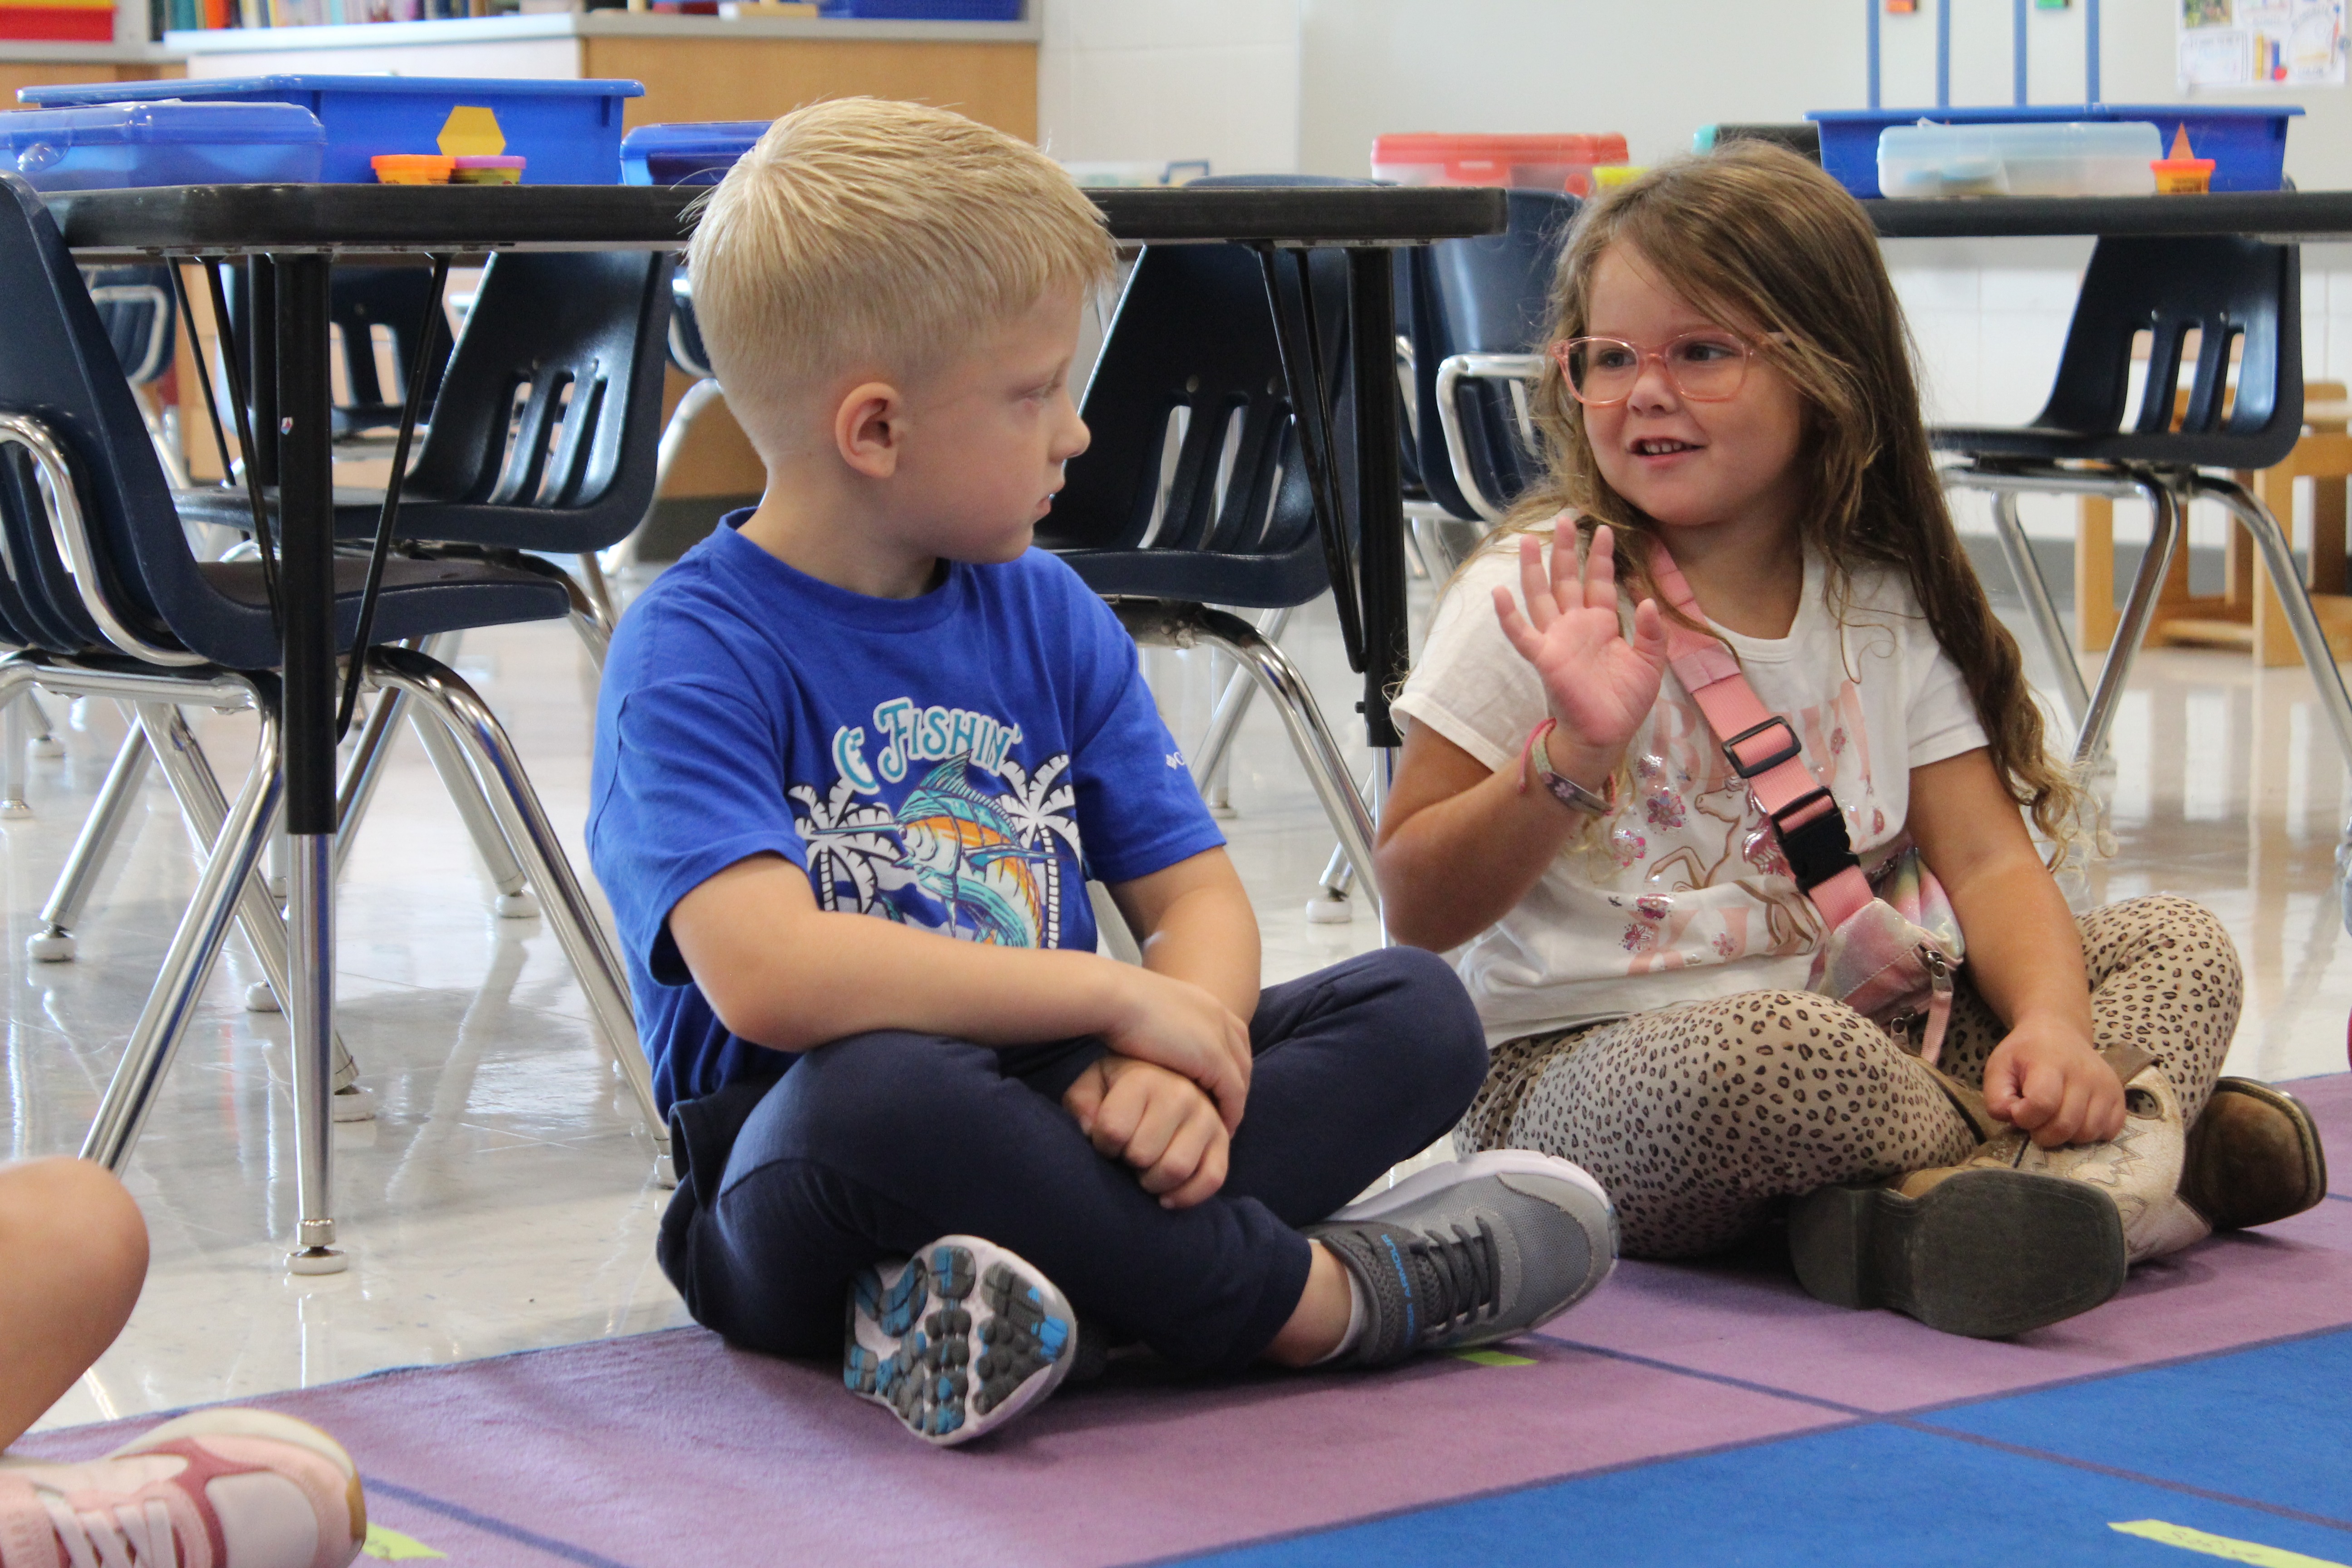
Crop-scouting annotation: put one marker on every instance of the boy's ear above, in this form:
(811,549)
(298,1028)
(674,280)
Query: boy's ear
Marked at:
(869,426)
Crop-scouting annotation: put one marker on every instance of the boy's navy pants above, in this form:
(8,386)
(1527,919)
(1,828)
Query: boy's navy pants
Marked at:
(873,1146)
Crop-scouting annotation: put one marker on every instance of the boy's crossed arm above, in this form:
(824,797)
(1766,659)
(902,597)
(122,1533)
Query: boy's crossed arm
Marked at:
(782,972)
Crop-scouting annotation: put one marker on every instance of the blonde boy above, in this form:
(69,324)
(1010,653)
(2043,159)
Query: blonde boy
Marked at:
(869,697)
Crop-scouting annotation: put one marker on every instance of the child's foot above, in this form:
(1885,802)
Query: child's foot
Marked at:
(958,1340)
(1472,1251)
(222,1488)
(1982,1252)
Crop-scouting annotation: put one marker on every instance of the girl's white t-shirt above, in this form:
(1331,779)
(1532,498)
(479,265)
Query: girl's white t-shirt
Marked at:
(1681,894)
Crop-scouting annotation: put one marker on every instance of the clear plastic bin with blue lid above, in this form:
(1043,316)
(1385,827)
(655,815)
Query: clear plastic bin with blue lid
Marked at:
(696,154)
(107,146)
(568,132)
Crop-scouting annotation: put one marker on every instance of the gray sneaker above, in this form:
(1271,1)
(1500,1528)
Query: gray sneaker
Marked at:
(1473,1251)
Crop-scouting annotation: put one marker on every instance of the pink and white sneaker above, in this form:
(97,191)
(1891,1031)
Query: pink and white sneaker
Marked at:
(216,1489)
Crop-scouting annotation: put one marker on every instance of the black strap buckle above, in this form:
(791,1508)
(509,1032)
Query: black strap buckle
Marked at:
(1789,752)
(1816,849)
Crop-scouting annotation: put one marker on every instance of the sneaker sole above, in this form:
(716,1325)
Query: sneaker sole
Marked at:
(1566,1187)
(962,1339)
(1984,1253)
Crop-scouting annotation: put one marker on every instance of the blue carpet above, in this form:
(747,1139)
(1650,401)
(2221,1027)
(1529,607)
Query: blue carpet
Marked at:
(2251,1447)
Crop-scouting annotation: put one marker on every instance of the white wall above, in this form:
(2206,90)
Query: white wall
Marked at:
(1657,71)
(1164,79)
(1277,85)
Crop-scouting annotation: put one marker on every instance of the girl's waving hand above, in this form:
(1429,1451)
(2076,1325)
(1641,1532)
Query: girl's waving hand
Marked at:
(1601,687)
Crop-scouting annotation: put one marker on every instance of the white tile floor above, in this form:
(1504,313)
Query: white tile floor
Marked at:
(503,1197)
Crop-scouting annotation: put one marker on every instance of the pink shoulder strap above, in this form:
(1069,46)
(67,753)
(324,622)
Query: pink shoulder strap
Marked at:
(1762,748)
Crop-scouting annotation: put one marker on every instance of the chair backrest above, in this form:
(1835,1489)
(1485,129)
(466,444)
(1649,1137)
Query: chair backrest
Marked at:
(685,350)
(544,432)
(2239,298)
(1194,447)
(59,366)
(1488,295)
(135,304)
(359,301)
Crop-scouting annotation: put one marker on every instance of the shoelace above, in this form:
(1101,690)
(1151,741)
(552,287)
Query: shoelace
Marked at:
(134,1537)
(1465,1273)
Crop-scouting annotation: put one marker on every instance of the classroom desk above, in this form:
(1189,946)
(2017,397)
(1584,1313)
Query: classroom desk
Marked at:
(2273,215)
(300,231)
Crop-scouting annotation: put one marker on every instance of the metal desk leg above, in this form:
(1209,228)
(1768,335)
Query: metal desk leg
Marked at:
(1380,491)
(307,584)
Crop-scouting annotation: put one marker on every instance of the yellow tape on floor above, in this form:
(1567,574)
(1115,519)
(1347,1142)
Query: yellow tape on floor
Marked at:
(2221,1546)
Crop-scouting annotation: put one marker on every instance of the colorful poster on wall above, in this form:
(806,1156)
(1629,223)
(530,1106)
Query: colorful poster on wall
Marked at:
(2262,43)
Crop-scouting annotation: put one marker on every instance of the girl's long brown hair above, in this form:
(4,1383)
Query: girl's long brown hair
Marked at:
(1766,241)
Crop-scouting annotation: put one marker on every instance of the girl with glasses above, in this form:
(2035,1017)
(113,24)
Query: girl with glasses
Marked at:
(1729,402)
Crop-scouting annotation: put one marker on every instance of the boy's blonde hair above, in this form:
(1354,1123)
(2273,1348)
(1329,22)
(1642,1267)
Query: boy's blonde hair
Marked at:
(865,233)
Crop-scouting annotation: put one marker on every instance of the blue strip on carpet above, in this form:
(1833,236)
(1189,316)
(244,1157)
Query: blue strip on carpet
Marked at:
(1858,1497)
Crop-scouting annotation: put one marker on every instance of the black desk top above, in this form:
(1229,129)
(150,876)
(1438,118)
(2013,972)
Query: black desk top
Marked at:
(2298,215)
(198,219)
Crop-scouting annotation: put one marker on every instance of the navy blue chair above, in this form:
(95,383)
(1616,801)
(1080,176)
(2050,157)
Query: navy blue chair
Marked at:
(544,423)
(1193,493)
(1480,310)
(102,594)
(2199,303)
(360,299)
(688,354)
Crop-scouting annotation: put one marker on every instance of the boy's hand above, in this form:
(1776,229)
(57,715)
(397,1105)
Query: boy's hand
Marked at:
(2048,1081)
(1156,1121)
(1180,1026)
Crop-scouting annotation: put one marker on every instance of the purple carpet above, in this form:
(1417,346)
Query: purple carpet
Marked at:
(666,1447)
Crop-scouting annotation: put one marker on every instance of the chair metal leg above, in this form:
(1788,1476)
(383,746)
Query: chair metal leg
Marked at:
(1166,623)
(514,899)
(45,741)
(2131,626)
(15,738)
(2035,588)
(195,946)
(2278,556)
(377,733)
(600,595)
(1233,704)
(197,789)
(491,756)
(99,832)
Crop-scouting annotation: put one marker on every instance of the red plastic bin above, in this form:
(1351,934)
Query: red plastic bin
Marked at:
(1527,162)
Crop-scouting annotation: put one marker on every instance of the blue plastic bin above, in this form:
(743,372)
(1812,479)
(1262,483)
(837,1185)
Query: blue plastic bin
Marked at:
(2247,144)
(697,153)
(924,10)
(568,130)
(116,144)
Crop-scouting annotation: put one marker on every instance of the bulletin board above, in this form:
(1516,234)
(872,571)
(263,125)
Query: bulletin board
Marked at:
(2262,43)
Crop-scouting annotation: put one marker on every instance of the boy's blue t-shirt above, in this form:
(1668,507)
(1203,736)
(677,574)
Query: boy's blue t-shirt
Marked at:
(961,762)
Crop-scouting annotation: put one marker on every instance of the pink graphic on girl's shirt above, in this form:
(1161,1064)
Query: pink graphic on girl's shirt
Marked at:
(1683,784)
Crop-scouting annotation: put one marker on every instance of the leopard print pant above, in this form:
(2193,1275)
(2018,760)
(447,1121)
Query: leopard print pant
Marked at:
(1698,1117)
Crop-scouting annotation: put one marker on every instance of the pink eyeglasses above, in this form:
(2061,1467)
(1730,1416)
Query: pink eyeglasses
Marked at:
(1706,366)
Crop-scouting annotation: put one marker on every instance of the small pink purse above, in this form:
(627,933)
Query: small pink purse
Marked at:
(1893,942)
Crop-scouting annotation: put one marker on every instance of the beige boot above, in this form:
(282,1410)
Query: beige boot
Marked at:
(2139,1169)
